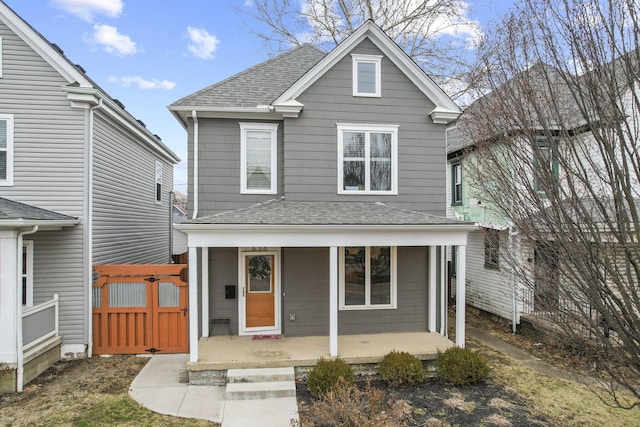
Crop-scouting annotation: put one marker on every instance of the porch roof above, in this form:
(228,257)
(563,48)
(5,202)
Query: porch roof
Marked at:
(15,214)
(280,223)
(281,212)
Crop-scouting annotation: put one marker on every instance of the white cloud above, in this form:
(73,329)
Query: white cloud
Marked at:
(203,45)
(112,41)
(127,81)
(87,9)
(248,3)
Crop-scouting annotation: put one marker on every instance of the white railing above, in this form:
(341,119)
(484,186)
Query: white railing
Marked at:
(46,329)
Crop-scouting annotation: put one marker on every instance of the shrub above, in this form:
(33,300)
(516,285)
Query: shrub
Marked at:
(461,366)
(401,369)
(328,375)
(347,406)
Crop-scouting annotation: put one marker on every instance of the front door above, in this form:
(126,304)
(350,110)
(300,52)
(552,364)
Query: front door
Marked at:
(260,291)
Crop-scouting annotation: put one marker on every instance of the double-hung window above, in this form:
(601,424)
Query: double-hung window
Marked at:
(367,79)
(367,277)
(258,167)
(456,183)
(367,159)
(6,150)
(158,182)
(491,248)
(546,169)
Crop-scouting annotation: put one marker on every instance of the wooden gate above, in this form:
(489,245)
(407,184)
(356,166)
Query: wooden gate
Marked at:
(140,308)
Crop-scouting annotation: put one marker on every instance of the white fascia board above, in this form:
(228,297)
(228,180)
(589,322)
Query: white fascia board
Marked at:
(182,114)
(325,236)
(391,50)
(42,224)
(37,42)
(82,97)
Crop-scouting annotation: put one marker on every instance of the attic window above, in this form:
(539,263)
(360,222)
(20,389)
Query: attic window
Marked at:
(367,75)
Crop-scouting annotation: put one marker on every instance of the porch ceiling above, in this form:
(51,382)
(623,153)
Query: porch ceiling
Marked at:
(223,352)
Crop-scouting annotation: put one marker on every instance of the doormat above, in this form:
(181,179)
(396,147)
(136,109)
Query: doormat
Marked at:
(267,337)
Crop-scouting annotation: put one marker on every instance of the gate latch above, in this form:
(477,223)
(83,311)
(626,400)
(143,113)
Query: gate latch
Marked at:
(153,350)
(151,279)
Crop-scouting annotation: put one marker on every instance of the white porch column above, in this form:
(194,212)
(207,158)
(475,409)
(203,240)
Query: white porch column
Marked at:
(193,305)
(433,265)
(333,301)
(460,294)
(205,291)
(10,307)
(443,290)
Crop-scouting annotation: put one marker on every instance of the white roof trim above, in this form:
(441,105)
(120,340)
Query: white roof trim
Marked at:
(444,104)
(43,224)
(37,42)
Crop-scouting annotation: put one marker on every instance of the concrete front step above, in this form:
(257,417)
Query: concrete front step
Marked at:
(265,390)
(248,384)
(260,375)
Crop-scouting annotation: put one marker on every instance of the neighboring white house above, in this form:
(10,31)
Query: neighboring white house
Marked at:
(82,182)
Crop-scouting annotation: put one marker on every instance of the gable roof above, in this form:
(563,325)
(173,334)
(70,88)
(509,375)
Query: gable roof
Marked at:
(81,89)
(16,214)
(270,89)
(259,85)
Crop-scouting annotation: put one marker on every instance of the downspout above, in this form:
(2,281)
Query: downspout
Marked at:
(19,340)
(88,223)
(195,164)
(514,290)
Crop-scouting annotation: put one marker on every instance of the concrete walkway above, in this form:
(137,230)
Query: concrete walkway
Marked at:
(525,358)
(160,388)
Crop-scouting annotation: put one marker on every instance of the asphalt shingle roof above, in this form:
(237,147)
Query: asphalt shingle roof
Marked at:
(281,212)
(16,210)
(259,85)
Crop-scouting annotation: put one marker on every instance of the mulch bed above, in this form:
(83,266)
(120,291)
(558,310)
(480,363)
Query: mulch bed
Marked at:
(436,404)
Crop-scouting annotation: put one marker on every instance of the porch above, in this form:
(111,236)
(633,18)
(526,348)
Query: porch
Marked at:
(223,352)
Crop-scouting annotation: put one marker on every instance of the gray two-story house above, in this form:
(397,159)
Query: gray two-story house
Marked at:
(317,196)
(82,182)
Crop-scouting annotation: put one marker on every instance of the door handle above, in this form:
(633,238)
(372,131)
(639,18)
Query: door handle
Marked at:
(184,311)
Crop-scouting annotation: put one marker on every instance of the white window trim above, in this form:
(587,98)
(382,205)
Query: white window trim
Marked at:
(371,59)
(28,244)
(9,181)
(346,127)
(157,181)
(368,305)
(265,127)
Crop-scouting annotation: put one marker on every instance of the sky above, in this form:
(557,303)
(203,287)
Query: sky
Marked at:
(149,54)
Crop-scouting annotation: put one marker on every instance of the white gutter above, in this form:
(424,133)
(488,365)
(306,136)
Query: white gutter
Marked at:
(88,223)
(19,341)
(196,129)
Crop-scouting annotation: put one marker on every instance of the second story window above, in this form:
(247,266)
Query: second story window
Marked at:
(367,159)
(6,150)
(258,158)
(456,183)
(546,169)
(367,75)
(158,182)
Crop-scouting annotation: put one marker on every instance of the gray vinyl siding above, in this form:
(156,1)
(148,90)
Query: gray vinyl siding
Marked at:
(412,311)
(306,287)
(129,227)
(223,270)
(48,173)
(311,139)
(219,165)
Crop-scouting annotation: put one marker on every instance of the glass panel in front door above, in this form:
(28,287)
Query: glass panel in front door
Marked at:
(260,273)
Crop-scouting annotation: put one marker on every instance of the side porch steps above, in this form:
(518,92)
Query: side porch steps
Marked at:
(249,384)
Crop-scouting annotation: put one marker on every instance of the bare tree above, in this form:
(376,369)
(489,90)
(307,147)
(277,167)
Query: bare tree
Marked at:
(437,34)
(556,150)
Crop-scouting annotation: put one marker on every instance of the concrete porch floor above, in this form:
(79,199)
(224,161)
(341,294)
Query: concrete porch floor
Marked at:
(224,352)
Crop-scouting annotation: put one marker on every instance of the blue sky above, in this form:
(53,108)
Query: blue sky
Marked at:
(150,54)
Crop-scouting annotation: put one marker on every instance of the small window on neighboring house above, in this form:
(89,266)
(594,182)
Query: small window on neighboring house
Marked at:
(27,273)
(367,277)
(367,75)
(6,150)
(258,167)
(546,169)
(491,248)
(456,183)
(367,159)
(158,182)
